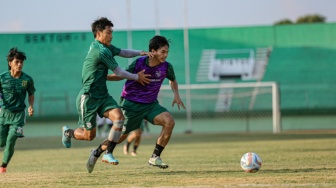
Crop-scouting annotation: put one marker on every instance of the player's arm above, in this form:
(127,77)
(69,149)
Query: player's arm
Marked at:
(177,99)
(120,74)
(129,53)
(129,70)
(107,57)
(174,86)
(31,100)
(113,77)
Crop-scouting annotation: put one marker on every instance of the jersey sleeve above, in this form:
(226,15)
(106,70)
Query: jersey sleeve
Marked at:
(115,50)
(106,56)
(31,87)
(170,73)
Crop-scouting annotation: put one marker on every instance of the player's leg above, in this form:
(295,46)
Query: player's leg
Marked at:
(4,129)
(137,141)
(109,109)
(108,127)
(160,116)
(131,137)
(14,130)
(134,115)
(87,110)
(9,149)
(127,144)
(115,132)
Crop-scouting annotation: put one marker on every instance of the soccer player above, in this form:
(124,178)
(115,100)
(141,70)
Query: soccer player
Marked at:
(14,86)
(134,136)
(94,98)
(140,101)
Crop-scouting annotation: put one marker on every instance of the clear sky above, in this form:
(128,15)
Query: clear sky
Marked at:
(77,15)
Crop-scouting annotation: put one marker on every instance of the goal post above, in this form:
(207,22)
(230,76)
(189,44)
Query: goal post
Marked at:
(248,106)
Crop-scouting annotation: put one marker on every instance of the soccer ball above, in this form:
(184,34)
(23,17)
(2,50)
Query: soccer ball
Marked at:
(250,162)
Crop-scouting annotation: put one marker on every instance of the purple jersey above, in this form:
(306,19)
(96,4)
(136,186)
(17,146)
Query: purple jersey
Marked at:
(134,91)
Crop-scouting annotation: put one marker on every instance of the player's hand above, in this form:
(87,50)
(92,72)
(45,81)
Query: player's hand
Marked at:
(178,102)
(30,111)
(149,54)
(143,78)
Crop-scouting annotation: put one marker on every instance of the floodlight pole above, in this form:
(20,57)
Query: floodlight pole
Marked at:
(157,19)
(187,67)
(129,29)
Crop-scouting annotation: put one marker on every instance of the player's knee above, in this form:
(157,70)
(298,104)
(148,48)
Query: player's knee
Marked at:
(117,117)
(170,124)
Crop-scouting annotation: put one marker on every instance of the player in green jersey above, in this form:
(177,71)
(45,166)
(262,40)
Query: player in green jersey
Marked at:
(94,98)
(14,86)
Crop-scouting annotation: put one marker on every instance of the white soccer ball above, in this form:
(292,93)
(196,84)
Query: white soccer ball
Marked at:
(250,162)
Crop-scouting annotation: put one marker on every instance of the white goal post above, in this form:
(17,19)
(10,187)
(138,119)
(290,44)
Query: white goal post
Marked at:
(254,103)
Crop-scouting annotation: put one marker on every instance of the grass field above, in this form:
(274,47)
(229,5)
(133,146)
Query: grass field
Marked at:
(295,159)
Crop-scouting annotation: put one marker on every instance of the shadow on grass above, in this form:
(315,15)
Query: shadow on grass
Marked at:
(299,170)
(216,172)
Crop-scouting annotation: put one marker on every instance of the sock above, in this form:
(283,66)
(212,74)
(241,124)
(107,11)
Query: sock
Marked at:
(110,146)
(135,148)
(127,145)
(99,150)
(157,151)
(4,165)
(70,133)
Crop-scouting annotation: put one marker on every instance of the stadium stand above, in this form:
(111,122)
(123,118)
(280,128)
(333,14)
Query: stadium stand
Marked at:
(306,77)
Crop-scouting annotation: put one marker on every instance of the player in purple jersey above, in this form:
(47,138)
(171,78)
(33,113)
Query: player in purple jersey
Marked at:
(140,102)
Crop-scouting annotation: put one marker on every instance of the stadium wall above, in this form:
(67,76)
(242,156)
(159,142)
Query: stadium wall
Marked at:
(55,60)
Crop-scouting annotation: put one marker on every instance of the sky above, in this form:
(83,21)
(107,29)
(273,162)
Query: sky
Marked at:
(25,16)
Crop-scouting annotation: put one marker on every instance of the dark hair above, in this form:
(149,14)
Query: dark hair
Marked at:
(157,42)
(15,53)
(100,24)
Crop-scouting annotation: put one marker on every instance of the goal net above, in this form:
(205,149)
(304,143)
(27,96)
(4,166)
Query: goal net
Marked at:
(231,107)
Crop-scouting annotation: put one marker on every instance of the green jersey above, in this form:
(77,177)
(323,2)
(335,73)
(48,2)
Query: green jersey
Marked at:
(14,91)
(99,59)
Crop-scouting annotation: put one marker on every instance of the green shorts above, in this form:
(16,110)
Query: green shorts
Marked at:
(11,122)
(88,108)
(135,113)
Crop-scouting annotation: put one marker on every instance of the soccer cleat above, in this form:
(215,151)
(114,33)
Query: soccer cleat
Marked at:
(65,139)
(91,161)
(134,154)
(2,170)
(108,158)
(125,149)
(157,162)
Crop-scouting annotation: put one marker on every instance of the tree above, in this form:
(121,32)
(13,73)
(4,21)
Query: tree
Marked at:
(283,22)
(310,18)
(313,18)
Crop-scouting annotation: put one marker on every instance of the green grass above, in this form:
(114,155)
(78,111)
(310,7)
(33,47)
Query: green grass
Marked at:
(196,160)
